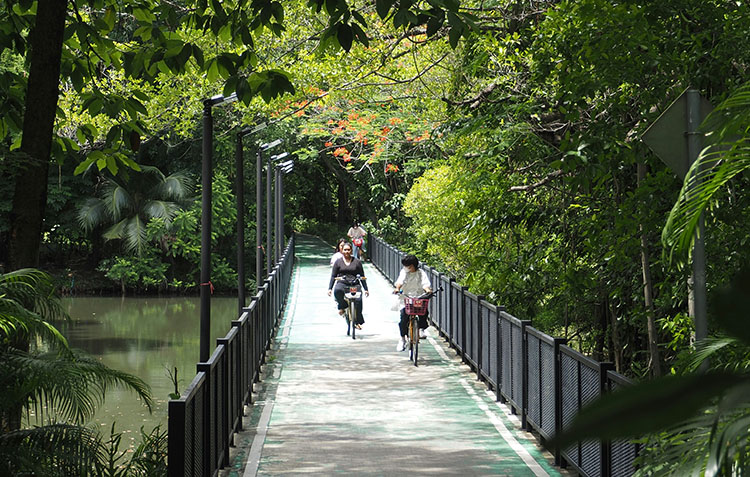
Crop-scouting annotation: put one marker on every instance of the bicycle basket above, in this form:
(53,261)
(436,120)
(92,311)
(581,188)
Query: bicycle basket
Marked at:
(416,306)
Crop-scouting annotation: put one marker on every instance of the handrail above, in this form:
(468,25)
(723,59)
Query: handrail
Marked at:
(203,420)
(538,376)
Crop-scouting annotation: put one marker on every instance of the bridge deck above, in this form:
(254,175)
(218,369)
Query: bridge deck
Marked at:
(329,405)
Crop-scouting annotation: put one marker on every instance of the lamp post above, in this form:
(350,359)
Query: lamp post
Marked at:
(258,214)
(206,197)
(240,193)
(281,169)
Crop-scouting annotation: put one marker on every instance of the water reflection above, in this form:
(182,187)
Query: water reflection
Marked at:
(144,337)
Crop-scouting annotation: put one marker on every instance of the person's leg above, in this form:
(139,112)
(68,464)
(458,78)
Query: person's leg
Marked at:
(338,295)
(403,324)
(355,251)
(360,316)
(423,323)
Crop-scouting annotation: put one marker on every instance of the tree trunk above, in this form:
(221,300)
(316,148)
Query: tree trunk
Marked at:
(30,197)
(616,344)
(648,295)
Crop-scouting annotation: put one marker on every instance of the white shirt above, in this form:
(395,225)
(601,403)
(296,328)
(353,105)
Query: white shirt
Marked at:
(412,284)
(335,257)
(357,232)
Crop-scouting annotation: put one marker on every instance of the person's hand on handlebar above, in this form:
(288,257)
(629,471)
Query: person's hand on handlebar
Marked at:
(367,293)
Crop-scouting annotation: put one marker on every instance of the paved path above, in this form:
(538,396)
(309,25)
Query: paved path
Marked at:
(329,405)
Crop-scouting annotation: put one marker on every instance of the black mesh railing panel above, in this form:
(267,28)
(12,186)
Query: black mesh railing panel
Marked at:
(445,304)
(591,451)
(506,358)
(472,328)
(198,447)
(549,412)
(534,398)
(517,367)
(455,330)
(570,399)
(623,454)
(487,338)
(494,348)
(622,451)
(213,419)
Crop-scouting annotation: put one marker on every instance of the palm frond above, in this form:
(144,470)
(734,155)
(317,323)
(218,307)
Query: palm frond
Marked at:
(27,301)
(117,231)
(91,213)
(52,450)
(135,234)
(176,186)
(162,210)
(117,199)
(68,385)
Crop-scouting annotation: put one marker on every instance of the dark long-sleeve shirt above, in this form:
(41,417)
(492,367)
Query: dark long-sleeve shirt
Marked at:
(340,269)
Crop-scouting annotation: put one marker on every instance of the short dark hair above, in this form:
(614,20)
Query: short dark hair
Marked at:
(410,260)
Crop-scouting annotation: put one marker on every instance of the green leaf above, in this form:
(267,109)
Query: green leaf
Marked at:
(435,22)
(144,15)
(454,34)
(344,36)
(383,7)
(646,407)
(83,166)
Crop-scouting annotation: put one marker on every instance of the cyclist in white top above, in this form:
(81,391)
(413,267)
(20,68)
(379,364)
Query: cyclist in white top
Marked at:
(412,281)
(357,234)
(338,253)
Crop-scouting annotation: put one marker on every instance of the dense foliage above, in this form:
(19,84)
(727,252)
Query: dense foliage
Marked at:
(500,141)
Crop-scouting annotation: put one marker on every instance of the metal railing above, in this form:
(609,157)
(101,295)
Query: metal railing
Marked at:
(203,420)
(541,379)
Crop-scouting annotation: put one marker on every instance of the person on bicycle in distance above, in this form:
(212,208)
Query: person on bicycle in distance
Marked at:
(347,268)
(412,281)
(357,235)
(337,255)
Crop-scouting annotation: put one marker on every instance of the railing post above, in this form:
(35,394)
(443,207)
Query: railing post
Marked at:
(480,338)
(176,443)
(524,372)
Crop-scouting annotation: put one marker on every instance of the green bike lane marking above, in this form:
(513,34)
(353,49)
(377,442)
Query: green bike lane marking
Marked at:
(334,405)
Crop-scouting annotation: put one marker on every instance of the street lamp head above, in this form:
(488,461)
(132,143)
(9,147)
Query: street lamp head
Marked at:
(269,145)
(220,99)
(278,157)
(286,164)
(254,130)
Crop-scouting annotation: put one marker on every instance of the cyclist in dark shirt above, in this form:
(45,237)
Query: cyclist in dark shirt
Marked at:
(347,268)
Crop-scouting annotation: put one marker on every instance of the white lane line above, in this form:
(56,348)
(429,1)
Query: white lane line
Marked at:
(513,443)
(253,457)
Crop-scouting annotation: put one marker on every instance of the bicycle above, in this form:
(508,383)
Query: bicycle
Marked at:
(416,306)
(351,297)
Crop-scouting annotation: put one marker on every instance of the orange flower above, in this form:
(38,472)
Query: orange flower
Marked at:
(340,151)
(329,144)
(395,121)
(391,168)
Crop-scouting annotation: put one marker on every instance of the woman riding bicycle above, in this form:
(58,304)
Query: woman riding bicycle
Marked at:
(346,269)
(412,281)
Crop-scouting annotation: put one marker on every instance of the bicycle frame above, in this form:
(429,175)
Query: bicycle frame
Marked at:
(351,296)
(414,326)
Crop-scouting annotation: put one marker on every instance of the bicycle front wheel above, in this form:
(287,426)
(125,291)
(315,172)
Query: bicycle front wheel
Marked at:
(352,319)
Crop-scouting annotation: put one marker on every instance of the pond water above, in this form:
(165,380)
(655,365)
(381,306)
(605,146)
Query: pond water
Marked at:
(145,337)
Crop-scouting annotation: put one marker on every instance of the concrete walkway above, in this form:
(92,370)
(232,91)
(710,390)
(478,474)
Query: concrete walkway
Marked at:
(330,405)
